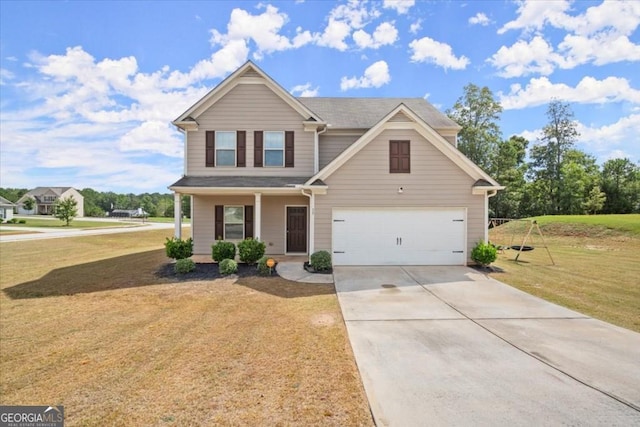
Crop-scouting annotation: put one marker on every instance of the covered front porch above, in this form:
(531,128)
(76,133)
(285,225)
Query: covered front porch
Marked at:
(282,215)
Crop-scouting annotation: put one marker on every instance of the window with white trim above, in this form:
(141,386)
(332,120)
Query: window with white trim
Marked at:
(274,149)
(234,222)
(225,148)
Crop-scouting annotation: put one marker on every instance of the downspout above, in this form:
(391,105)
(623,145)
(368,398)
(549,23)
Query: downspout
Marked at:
(488,194)
(312,221)
(316,150)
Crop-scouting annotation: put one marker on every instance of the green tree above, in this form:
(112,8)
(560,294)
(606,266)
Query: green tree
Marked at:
(148,205)
(29,203)
(578,176)
(594,201)
(12,194)
(509,169)
(478,113)
(548,156)
(621,183)
(66,209)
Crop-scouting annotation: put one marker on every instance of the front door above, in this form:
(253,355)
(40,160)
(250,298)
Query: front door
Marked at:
(296,229)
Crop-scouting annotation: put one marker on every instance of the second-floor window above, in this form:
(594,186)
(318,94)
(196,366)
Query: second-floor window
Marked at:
(49,199)
(225,148)
(274,149)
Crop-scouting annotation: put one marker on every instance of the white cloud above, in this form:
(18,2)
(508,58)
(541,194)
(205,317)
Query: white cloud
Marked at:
(5,75)
(376,75)
(479,19)
(401,6)
(342,20)
(534,14)
(428,50)
(384,34)
(304,90)
(602,48)
(415,27)
(523,58)
(263,29)
(153,137)
(589,90)
(600,35)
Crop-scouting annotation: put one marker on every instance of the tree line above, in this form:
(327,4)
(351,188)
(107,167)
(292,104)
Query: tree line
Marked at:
(549,176)
(97,204)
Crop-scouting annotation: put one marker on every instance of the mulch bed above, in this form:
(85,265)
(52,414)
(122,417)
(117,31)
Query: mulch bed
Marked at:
(208,271)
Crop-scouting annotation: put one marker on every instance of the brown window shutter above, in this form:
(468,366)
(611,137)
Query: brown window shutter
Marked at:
(241,144)
(257,148)
(219,222)
(288,149)
(399,157)
(248,222)
(210,148)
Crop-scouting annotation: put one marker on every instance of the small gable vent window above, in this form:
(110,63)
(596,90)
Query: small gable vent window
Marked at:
(399,157)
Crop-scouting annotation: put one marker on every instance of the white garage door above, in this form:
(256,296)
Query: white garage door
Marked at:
(388,236)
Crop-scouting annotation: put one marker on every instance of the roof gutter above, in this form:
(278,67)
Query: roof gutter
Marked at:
(316,149)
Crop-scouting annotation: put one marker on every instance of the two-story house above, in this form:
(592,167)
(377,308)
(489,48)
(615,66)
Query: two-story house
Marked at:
(44,199)
(374,181)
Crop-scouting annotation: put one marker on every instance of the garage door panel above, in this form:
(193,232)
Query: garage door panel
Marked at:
(399,236)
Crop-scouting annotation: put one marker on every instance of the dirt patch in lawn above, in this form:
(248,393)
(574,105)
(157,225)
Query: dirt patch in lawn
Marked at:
(126,347)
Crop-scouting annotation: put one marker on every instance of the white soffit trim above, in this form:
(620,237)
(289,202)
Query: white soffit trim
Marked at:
(419,126)
(236,78)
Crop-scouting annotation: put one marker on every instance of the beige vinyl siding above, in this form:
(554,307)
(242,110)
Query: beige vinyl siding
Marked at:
(400,117)
(330,147)
(250,107)
(273,219)
(365,181)
(75,194)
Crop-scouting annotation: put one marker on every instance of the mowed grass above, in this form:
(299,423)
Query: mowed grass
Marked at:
(597,264)
(56,223)
(88,325)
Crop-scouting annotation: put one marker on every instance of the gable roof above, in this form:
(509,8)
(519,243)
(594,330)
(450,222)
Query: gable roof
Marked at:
(419,125)
(364,113)
(5,202)
(249,73)
(40,191)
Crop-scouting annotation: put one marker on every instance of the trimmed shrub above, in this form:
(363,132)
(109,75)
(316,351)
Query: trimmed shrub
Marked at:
(184,265)
(13,221)
(227,266)
(263,268)
(22,221)
(320,261)
(222,250)
(178,248)
(250,250)
(484,253)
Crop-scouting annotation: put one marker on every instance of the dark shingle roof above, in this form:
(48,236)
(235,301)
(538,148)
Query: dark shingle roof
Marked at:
(363,113)
(240,181)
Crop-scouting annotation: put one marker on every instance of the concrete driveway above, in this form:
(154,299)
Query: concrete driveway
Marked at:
(450,346)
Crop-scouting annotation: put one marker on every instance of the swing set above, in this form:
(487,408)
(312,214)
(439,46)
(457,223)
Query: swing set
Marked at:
(500,228)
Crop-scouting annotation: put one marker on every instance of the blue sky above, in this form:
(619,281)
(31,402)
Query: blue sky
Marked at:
(88,89)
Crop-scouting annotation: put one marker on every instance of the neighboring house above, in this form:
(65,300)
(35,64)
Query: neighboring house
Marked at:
(6,209)
(45,198)
(374,181)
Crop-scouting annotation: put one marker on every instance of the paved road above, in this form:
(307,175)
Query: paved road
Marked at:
(449,346)
(54,233)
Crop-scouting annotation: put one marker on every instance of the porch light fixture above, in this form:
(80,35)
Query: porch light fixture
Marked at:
(400,190)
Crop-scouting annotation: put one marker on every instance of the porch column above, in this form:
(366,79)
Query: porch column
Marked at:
(312,223)
(177,215)
(257,216)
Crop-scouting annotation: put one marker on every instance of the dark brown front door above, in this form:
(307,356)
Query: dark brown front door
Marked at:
(297,229)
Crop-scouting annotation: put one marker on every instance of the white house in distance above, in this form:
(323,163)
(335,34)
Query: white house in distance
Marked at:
(6,209)
(45,197)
